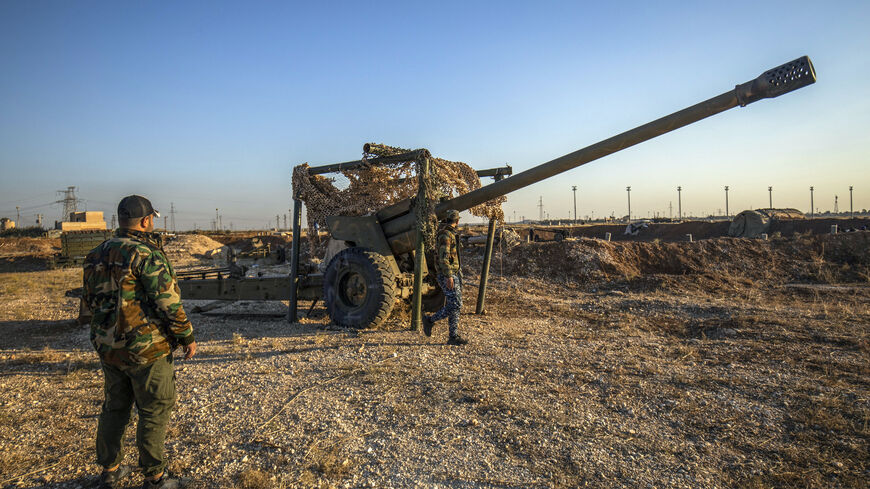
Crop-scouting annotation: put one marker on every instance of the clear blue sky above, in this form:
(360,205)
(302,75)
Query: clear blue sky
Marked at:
(210,104)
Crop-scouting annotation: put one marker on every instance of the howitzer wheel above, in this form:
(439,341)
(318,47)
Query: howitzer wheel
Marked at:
(359,288)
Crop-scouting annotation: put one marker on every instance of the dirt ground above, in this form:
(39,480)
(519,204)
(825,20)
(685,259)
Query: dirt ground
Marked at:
(715,364)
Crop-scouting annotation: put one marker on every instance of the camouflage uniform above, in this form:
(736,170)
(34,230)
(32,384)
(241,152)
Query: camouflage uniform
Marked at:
(448,265)
(130,288)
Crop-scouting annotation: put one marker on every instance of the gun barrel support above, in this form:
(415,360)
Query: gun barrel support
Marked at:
(294,261)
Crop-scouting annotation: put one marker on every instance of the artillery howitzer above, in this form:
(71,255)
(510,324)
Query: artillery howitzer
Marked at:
(379,264)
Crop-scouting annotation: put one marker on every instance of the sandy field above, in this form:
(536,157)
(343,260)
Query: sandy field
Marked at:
(722,363)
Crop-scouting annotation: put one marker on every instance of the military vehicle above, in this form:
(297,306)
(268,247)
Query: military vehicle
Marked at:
(377,263)
(75,245)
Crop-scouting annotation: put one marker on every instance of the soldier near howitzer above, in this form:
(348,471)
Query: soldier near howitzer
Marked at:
(138,320)
(449,268)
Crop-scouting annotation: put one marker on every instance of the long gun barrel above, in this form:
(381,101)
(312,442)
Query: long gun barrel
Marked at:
(772,83)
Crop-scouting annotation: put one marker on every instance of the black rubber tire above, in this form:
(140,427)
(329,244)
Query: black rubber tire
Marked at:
(359,288)
(559,237)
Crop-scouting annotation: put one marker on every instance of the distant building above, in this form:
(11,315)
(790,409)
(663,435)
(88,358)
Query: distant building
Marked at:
(82,221)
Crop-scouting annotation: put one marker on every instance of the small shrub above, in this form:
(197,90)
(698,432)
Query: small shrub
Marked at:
(28,232)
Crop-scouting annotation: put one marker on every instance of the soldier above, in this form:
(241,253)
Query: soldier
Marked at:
(138,320)
(449,278)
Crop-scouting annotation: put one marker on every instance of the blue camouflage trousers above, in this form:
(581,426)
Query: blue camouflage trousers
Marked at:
(453,304)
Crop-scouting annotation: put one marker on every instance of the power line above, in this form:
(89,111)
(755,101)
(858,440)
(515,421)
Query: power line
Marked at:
(69,202)
(25,199)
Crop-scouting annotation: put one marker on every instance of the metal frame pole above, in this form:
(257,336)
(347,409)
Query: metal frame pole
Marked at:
(484,274)
(419,254)
(294,260)
(679,203)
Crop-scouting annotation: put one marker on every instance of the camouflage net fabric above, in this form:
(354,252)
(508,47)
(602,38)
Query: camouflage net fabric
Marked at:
(373,187)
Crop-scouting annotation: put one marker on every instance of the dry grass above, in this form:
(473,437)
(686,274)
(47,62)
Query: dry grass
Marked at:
(715,379)
(49,283)
(327,463)
(254,479)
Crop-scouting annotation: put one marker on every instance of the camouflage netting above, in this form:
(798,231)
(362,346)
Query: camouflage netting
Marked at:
(373,187)
(753,223)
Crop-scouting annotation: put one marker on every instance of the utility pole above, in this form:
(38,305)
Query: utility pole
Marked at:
(285,221)
(221,222)
(113,221)
(17,216)
(628,191)
(671,209)
(216,219)
(770,195)
(165,218)
(836,205)
(277,222)
(727,214)
(811,202)
(172,213)
(679,203)
(851,212)
(574,189)
(541,208)
(39,220)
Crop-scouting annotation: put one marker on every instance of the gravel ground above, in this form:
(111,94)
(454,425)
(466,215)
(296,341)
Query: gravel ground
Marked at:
(561,386)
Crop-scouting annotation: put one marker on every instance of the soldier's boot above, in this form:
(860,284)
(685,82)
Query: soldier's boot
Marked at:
(427,325)
(457,341)
(166,481)
(111,480)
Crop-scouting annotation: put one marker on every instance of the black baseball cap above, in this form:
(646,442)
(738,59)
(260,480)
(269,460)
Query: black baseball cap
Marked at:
(135,207)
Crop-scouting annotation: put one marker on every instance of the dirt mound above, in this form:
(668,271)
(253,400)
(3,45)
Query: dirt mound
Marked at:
(189,249)
(192,244)
(821,258)
(255,242)
(705,230)
(29,246)
(661,231)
